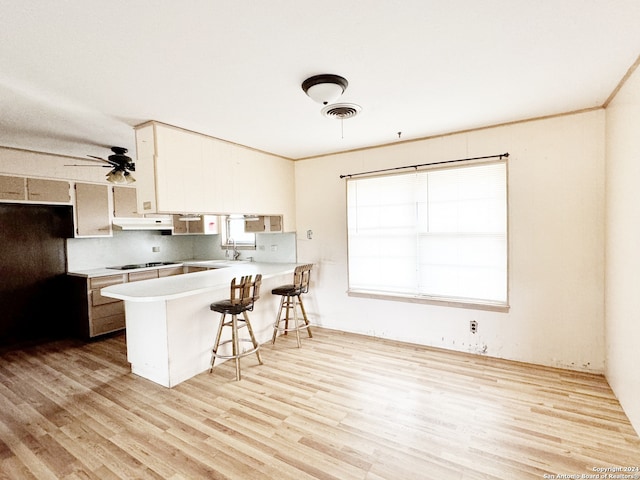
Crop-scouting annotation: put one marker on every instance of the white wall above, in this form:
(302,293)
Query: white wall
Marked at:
(622,247)
(556,221)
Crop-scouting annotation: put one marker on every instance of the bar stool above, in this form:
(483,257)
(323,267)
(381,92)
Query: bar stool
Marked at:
(291,300)
(244,294)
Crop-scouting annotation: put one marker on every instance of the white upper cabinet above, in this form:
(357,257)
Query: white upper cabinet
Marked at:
(179,171)
(48,191)
(124,202)
(179,175)
(92,210)
(12,188)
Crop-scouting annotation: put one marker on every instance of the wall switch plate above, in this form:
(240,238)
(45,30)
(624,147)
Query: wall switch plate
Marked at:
(155,249)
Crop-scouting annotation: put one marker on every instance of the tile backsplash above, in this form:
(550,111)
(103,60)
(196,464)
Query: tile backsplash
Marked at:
(127,247)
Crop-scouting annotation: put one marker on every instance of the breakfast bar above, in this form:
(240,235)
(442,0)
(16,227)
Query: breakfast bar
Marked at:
(170,328)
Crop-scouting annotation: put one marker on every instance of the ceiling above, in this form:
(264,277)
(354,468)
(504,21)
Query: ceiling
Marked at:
(77,75)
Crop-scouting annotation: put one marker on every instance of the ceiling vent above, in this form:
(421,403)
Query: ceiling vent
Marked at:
(341,111)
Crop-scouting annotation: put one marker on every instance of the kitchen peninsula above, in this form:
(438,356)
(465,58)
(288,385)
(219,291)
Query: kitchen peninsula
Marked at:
(170,328)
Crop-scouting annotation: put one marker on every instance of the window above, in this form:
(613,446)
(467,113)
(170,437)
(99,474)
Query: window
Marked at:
(438,234)
(234,232)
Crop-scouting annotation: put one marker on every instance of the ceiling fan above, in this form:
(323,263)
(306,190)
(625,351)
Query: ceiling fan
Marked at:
(121,165)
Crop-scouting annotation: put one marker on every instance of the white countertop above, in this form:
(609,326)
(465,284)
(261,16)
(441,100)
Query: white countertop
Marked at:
(178,286)
(105,271)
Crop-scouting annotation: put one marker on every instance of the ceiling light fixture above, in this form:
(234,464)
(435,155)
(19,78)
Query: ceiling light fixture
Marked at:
(122,164)
(120,177)
(325,88)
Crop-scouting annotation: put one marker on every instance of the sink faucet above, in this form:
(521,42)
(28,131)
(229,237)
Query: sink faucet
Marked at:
(236,253)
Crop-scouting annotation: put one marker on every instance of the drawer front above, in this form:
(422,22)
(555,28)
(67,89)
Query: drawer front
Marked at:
(169,271)
(108,309)
(193,269)
(144,275)
(100,282)
(98,299)
(108,324)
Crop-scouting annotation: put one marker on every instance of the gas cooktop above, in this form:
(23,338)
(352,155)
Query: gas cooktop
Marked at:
(141,265)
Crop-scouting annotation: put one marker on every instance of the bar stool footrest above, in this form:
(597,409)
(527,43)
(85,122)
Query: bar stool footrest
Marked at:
(303,326)
(239,355)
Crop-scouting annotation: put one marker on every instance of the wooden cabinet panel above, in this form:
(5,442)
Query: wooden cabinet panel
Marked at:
(269,223)
(98,299)
(101,282)
(108,324)
(180,227)
(108,309)
(170,271)
(42,190)
(143,275)
(125,202)
(12,188)
(275,223)
(255,225)
(105,314)
(192,269)
(196,225)
(95,314)
(92,210)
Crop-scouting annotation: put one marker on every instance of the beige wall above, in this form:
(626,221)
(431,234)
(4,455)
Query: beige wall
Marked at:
(556,222)
(623,247)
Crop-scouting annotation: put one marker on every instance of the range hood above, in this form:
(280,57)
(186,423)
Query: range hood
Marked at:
(143,223)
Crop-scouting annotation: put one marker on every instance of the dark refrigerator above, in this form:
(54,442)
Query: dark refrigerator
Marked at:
(34,297)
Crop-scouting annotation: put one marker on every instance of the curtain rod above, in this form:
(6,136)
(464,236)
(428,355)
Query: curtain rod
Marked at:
(506,155)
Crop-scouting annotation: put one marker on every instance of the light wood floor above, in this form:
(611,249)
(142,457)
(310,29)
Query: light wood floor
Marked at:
(342,407)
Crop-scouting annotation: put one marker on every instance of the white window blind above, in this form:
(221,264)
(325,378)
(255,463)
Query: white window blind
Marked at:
(438,233)
(234,231)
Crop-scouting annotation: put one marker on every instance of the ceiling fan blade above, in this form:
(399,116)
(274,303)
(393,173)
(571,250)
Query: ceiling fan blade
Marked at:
(98,159)
(78,165)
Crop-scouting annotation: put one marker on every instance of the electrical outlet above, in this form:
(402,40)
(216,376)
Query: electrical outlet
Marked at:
(155,249)
(473,326)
